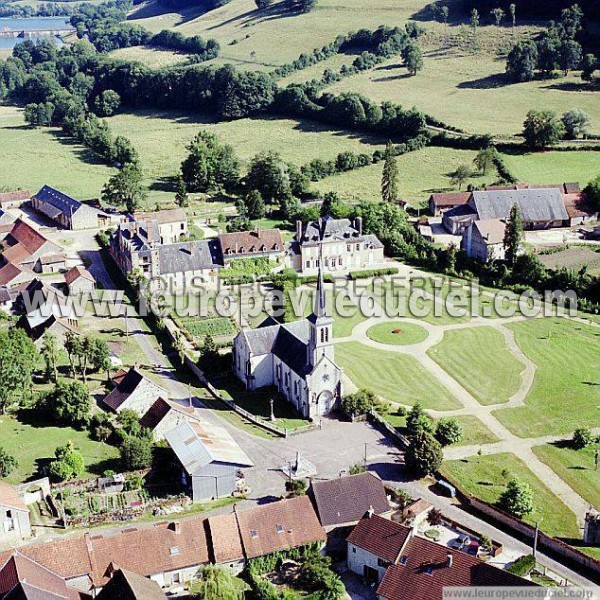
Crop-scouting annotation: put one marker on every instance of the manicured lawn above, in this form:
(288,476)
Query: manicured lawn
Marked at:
(32,157)
(33,443)
(482,477)
(576,467)
(396,377)
(474,432)
(397,333)
(566,389)
(421,173)
(480,361)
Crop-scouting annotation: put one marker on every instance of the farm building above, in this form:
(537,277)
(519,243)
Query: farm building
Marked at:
(165,415)
(14,199)
(440,203)
(127,585)
(134,391)
(210,459)
(484,240)
(14,517)
(79,280)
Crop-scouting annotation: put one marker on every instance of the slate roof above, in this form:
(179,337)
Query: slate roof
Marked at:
(10,498)
(460,212)
(200,444)
(380,537)
(443,200)
(188,256)
(127,585)
(426,572)
(328,229)
(57,202)
(491,230)
(278,526)
(537,204)
(347,499)
(140,235)
(252,242)
(76,272)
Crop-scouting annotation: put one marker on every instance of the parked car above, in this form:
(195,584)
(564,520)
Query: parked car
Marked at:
(462,541)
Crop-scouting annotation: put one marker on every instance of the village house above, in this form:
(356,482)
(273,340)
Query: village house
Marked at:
(127,585)
(134,391)
(165,415)
(296,357)
(6,218)
(442,202)
(79,280)
(14,517)
(51,263)
(483,240)
(14,199)
(260,243)
(210,458)
(242,535)
(172,224)
(66,211)
(333,245)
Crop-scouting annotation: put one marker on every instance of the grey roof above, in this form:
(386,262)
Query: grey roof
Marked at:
(140,234)
(326,229)
(188,256)
(540,204)
(460,212)
(372,241)
(61,202)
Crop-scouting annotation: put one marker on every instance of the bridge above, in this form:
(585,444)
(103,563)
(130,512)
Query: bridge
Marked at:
(32,33)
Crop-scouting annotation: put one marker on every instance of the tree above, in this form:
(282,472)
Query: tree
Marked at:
(424,455)
(592,192)
(435,517)
(474,21)
(68,463)
(359,403)
(517,498)
(50,352)
(18,358)
(72,344)
(589,63)
(512,9)
(460,175)
(448,431)
(356,469)
(129,421)
(485,159)
(418,421)
(389,178)
(136,453)
(576,123)
(255,205)
(522,61)
(269,174)
(261,4)
(38,115)
(97,354)
(125,188)
(444,13)
(8,463)
(219,584)
(107,103)
(181,195)
(513,235)
(542,129)
(70,403)
(569,56)
(582,438)
(498,15)
(413,58)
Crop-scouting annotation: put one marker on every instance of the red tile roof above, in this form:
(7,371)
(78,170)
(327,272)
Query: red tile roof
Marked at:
(26,235)
(21,569)
(155,414)
(76,272)
(249,242)
(578,206)
(17,254)
(381,537)
(225,538)
(450,199)
(9,273)
(423,572)
(279,526)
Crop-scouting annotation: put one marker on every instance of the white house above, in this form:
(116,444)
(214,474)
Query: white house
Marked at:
(484,240)
(135,392)
(14,517)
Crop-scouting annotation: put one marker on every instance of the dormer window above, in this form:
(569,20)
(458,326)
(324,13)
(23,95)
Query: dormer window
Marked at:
(253,533)
(280,528)
(174,551)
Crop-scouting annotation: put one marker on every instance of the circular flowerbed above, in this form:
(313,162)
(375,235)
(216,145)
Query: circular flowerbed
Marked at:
(397,333)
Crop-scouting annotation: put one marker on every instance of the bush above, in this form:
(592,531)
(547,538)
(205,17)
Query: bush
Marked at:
(8,463)
(136,453)
(359,403)
(582,438)
(448,431)
(522,566)
(517,499)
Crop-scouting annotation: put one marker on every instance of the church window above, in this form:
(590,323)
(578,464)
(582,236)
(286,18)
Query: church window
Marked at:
(322,335)
(326,334)
(308,264)
(358,246)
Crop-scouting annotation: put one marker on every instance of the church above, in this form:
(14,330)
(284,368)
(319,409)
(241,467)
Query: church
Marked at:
(295,357)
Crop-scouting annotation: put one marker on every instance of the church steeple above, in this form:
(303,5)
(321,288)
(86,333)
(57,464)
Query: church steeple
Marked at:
(320,309)
(321,323)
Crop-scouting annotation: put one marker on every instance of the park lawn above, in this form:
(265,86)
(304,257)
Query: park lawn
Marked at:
(575,467)
(31,158)
(393,376)
(482,477)
(33,442)
(397,333)
(566,388)
(479,359)
(470,91)
(422,173)
(475,432)
(545,167)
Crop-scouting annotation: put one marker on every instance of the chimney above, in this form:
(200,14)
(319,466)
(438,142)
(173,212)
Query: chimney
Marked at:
(177,527)
(358,222)
(449,560)
(370,512)
(298,230)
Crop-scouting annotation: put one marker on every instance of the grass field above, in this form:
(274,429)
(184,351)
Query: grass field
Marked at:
(474,432)
(566,389)
(575,467)
(420,174)
(33,443)
(397,333)
(33,157)
(480,361)
(396,377)
(153,57)
(482,477)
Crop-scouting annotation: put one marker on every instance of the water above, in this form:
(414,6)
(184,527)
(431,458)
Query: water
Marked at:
(27,24)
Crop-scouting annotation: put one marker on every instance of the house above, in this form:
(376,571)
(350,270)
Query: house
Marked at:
(51,263)
(165,415)
(344,501)
(297,357)
(210,458)
(172,224)
(23,579)
(6,218)
(334,245)
(11,275)
(6,300)
(14,199)
(127,585)
(23,245)
(579,209)
(414,513)
(541,208)
(66,211)
(426,568)
(484,240)
(375,544)
(442,202)
(14,517)
(266,243)
(246,534)
(134,392)
(79,280)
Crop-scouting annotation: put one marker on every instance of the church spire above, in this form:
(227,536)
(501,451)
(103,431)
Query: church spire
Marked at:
(320,308)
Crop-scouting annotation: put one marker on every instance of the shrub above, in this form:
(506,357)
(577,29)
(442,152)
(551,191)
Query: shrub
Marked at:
(448,431)
(522,566)
(582,438)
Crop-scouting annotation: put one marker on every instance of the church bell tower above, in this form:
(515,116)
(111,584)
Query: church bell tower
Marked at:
(321,324)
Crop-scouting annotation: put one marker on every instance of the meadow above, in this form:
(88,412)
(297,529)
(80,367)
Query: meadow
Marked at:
(480,361)
(486,477)
(566,388)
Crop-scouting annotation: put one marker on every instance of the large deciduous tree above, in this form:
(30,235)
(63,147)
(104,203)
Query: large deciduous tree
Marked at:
(424,455)
(517,498)
(126,188)
(522,61)
(18,358)
(576,122)
(542,129)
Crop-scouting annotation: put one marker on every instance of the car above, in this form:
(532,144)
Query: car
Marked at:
(461,541)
